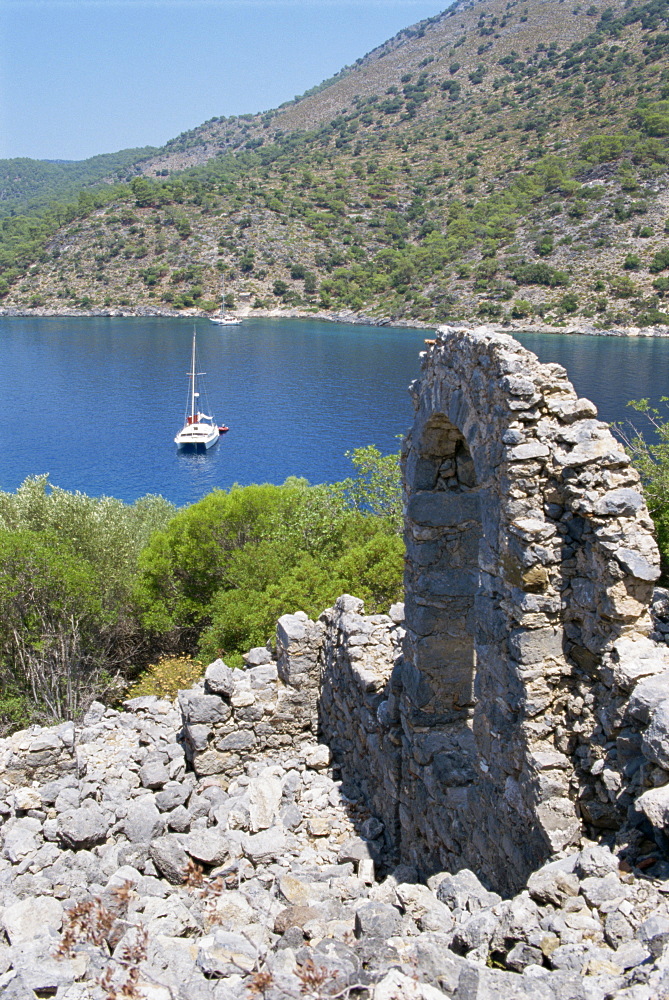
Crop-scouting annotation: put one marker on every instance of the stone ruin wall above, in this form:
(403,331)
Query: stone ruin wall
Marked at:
(517,701)
(521,702)
(530,571)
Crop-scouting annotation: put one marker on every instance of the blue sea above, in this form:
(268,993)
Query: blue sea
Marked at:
(96,402)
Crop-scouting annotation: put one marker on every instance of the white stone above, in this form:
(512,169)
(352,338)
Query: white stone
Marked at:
(32,917)
(264,796)
(396,986)
(318,758)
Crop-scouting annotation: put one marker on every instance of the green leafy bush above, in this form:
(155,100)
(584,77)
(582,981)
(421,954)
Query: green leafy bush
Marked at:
(660,261)
(225,568)
(650,456)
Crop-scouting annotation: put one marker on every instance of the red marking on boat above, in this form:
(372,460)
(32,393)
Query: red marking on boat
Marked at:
(222,430)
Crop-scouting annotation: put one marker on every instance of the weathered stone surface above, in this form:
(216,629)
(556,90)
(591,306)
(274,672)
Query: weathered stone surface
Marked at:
(210,846)
(32,917)
(655,744)
(268,845)
(377,920)
(264,797)
(154,774)
(257,656)
(655,805)
(21,839)
(143,821)
(219,679)
(648,694)
(84,827)
(203,708)
(169,857)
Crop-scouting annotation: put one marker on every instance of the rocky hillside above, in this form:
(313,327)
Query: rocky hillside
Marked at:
(508,160)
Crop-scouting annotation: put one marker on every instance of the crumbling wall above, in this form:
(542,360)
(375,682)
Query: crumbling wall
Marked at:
(521,703)
(529,555)
(237,715)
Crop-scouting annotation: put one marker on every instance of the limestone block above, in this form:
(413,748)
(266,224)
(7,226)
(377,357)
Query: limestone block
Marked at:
(552,885)
(208,846)
(219,679)
(241,739)
(523,452)
(442,509)
(647,695)
(266,846)
(84,827)
(257,656)
(169,857)
(637,657)
(638,565)
(264,798)
(318,758)
(290,629)
(32,917)
(655,805)
(203,708)
(143,821)
(262,675)
(226,955)
(621,502)
(377,920)
(26,798)
(536,645)
(655,743)
(153,774)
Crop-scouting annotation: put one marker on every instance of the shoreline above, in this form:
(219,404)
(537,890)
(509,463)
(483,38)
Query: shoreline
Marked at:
(344,316)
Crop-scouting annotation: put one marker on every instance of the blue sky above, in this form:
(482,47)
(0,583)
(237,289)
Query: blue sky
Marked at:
(81,77)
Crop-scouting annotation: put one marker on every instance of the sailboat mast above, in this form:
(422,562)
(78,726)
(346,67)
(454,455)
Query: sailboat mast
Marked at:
(192,383)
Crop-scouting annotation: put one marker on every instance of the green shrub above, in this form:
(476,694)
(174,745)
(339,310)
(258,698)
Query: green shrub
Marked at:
(650,456)
(521,309)
(660,261)
(234,561)
(538,274)
(654,118)
(568,303)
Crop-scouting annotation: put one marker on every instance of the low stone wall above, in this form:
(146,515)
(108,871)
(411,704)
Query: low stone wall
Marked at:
(39,754)
(350,670)
(357,712)
(235,715)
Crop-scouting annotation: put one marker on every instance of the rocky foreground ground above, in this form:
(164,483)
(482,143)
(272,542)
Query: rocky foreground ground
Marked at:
(123,875)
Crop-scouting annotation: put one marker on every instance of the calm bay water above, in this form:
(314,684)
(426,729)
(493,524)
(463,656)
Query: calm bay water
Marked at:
(96,402)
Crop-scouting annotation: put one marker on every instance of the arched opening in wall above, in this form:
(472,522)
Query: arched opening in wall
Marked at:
(443,534)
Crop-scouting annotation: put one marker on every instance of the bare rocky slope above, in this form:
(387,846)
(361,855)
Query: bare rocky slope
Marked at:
(503,160)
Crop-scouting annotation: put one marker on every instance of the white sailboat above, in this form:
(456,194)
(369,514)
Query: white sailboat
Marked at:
(200,431)
(223,319)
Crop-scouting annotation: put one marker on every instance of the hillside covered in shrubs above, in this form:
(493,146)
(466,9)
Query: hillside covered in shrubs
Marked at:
(502,160)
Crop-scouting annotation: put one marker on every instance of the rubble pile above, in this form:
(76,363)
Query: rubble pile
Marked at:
(125,874)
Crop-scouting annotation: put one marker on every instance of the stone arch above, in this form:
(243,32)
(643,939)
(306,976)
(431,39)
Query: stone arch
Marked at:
(529,554)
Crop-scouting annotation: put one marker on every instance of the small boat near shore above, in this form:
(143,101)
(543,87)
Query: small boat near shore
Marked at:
(200,431)
(223,319)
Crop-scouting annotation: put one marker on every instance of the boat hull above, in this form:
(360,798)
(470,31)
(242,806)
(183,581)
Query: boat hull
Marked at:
(192,438)
(195,448)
